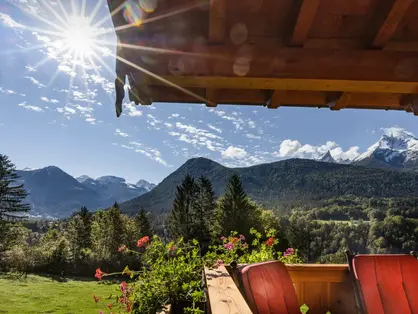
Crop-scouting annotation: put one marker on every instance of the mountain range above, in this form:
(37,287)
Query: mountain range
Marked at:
(372,174)
(55,193)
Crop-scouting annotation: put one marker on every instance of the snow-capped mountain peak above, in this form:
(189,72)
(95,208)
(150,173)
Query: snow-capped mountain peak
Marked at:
(396,147)
(83,178)
(327,157)
(110,180)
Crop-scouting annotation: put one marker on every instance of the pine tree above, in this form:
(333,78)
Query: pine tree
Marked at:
(143,223)
(75,234)
(181,217)
(116,228)
(203,211)
(86,217)
(236,212)
(11,194)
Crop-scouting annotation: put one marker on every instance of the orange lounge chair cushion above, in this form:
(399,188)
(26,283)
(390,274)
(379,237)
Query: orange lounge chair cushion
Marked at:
(268,288)
(388,283)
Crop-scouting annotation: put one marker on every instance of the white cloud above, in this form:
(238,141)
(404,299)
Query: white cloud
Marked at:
(35,81)
(29,107)
(168,125)
(233,152)
(52,101)
(150,152)
(30,68)
(120,133)
(7,91)
(251,124)
(210,126)
(294,149)
(67,70)
(133,111)
(70,110)
(252,136)
(8,21)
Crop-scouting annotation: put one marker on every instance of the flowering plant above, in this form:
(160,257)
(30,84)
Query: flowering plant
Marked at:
(235,248)
(171,273)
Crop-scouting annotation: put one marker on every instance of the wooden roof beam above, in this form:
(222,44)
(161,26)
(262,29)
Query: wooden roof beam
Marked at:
(391,19)
(410,103)
(277,99)
(304,21)
(217,21)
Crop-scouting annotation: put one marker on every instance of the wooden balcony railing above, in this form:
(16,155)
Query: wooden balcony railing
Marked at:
(321,287)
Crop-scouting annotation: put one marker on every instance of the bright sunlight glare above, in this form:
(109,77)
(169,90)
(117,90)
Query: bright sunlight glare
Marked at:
(80,36)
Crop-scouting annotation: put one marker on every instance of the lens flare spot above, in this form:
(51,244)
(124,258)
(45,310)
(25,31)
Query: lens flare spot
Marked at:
(133,13)
(176,67)
(241,66)
(148,5)
(239,33)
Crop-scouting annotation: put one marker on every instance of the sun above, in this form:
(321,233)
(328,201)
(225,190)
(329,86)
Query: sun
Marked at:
(79,37)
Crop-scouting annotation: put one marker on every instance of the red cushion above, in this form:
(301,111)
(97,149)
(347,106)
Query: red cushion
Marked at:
(388,283)
(268,288)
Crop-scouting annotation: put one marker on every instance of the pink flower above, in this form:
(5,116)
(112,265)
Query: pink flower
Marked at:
(99,274)
(289,252)
(122,248)
(123,286)
(270,241)
(143,241)
(222,238)
(242,238)
(100,312)
(244,245)
(219,263)
(229,246)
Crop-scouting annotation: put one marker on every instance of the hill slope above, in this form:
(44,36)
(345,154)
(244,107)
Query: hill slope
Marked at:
(284,181)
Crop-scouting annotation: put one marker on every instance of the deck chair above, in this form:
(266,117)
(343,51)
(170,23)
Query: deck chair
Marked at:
(385,284)
(268,288)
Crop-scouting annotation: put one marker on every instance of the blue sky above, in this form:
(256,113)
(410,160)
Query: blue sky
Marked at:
(57,108)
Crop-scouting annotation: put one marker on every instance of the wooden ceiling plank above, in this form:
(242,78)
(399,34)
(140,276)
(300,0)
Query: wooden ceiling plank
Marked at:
(391,22)
(217,21)
(304,21)
(219,82)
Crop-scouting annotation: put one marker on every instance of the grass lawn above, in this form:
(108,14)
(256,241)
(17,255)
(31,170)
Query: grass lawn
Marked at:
(37,294)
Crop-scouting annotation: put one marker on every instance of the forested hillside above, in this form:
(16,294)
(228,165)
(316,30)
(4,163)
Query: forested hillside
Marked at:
(280,184)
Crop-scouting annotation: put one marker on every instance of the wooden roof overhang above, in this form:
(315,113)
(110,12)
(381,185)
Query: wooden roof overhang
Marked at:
(307,53)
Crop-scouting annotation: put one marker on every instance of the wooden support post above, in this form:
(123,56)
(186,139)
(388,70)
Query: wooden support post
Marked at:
(277,99)
(211,95)
(341,102)
(304,21)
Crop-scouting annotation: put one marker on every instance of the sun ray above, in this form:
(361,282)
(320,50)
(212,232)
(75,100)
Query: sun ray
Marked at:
(64,12)
(167,82)
(162,16)
(98,73)
(48,6)
(165,51)
(96,9)
(21,50)
(106,17)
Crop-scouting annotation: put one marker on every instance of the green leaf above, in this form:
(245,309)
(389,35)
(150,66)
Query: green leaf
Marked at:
(304,309)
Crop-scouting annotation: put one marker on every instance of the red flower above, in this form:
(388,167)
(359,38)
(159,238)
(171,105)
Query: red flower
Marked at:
(123,286)
(143,241)
(270,241)
(109,306)
(171,249)
(234,240)
(99,274)
(100,312)
(128,307)
(96,299)
(122,248)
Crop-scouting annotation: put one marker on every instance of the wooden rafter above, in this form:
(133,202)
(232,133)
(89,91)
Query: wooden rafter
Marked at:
(277,99)
(390,22)
(217,21)
(304,21)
